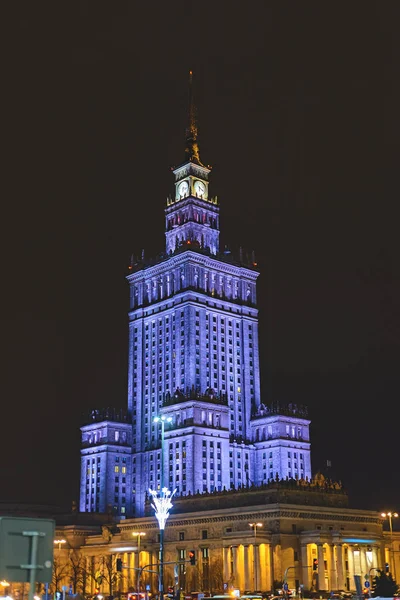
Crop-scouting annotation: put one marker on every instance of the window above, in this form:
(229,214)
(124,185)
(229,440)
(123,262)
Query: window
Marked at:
(181,536)
(204,534)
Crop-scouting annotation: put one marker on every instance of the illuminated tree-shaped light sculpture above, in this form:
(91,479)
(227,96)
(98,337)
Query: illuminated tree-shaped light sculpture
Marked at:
(162,505)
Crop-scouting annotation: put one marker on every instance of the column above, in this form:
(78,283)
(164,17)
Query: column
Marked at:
(375,559)
(125,572)
(271,563)
(247,584)
(90,570)
(130,569)
(350,558)
(321,568)
(265,568)
(235,574)
(305,568)
(136,564)
(256,550)
(226,560)
(121,579)
(333,585)
(340,567)
(363,562)
(152,577)
(240,570)
(383,554)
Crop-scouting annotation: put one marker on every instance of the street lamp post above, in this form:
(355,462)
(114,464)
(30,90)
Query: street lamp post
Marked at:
(254,527)
(162,420)
(139,535)
(391,515)
(162,505)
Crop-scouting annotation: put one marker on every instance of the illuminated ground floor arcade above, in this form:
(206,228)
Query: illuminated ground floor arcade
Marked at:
(321,548)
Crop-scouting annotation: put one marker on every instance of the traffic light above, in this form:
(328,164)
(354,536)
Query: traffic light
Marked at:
(386,567)
(119,564)
(315,564)
(192,557)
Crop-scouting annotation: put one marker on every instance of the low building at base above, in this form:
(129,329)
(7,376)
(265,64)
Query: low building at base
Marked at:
(302,533)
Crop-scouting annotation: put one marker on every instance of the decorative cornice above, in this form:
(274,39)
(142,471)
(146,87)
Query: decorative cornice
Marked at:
(174,261)
(260,515)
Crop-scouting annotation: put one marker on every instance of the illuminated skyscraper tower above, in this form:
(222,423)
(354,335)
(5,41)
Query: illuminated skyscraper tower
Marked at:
(194,356)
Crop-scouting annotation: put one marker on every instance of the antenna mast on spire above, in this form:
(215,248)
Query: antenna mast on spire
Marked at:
(192,148)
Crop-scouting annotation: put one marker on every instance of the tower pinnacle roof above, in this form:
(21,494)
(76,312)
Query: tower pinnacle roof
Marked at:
(192,149)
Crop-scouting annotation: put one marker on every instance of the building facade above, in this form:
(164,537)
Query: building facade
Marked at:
(246,502)
(194,360)
(249,540)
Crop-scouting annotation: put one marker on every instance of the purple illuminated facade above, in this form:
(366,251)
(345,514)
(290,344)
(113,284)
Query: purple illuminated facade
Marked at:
(193,356)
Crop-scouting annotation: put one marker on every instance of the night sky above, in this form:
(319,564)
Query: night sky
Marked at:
(298,114)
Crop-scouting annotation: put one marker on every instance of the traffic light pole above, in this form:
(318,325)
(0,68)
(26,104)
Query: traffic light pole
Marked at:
(285,583)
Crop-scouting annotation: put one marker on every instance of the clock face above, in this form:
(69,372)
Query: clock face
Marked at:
(183,188)
(199,188)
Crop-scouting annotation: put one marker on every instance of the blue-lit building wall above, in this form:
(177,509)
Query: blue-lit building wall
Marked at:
(194,356)
(106,464)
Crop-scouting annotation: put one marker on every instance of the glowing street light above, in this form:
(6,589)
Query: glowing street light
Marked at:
(391,515)
(139,535)
(59,542)
(162,505)
(254,527)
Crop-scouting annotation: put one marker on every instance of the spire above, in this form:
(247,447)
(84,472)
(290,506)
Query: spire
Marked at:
(192,148)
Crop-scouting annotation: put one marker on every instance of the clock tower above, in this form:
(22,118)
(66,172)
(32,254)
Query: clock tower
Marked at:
(192,216)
